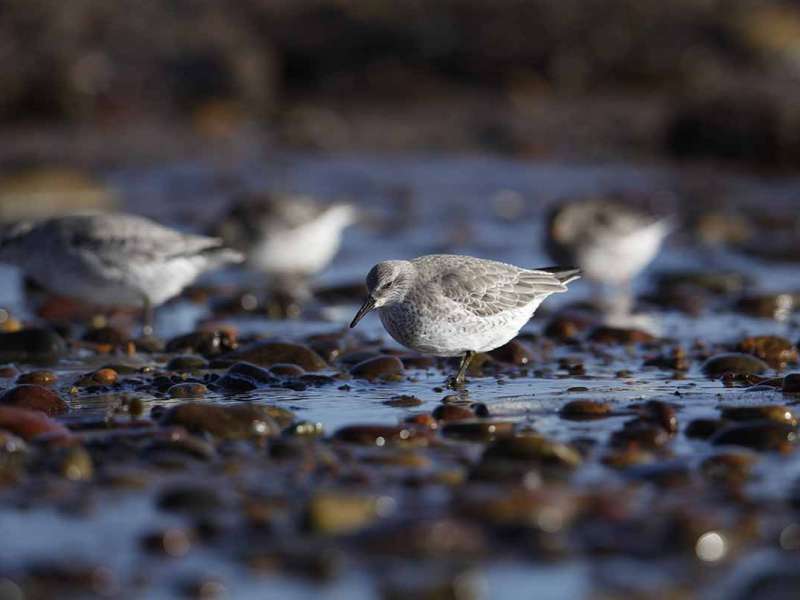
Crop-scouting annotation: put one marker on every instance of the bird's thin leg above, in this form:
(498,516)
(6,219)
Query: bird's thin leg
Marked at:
(462,368)
(148,317)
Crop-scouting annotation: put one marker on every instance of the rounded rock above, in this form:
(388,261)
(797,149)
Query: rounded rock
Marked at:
(585,409)
(379,367)
(34,397)
(533,448)
(736,363)
(266,354)
(44,378)
(187,390)
(186,362)
(237,422)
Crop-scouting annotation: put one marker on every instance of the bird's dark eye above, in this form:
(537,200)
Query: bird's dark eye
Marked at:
(390,284)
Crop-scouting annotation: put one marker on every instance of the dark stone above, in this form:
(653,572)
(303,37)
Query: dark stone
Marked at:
(44,378)
(186,363)
(187,390)
(380,435)
(758,435)
(704,428)
(533,448)
(775,350)
(205,343)
(34,397)
(237,422)
(514,352)
(266,354)
(585,409)
(614,335)
(452,412)
(736,363)
(31,345)
(30,424)
(380,366)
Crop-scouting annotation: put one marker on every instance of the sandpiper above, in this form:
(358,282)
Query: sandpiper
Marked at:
(451,305)
(111,259)
(288,238)
(610,240)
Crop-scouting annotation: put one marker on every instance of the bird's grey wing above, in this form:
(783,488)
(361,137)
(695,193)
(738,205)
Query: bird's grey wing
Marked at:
(135,239)
(487,288)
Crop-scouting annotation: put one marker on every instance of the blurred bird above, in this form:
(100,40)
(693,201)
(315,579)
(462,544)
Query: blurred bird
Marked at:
(610,240)
(289,238)
(111,259)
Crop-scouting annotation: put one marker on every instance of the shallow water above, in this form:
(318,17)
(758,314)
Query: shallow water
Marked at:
(457,206)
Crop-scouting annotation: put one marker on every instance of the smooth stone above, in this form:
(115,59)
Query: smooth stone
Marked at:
(187,390)
(233,382)
(758,435)
(236,422)
(380,366)
(43,378)
(34,397)
(253,372)
(266,354)
(791,384)
(514,352)
(104,376)
(585,409)
(337,513)
(190,498)
(728,467)
(614,335)
(534,448)
(287,370)
(205,343)
(766,412)
(30,424)
(640,433)
(403,401)
(186,362)
(452,412)
(112,336)
(381,435)
(418,361)
(76,464)
(736,363)
(661,413)
(568,326)
(703,429)
(31,345)
(775,350)
(478,430)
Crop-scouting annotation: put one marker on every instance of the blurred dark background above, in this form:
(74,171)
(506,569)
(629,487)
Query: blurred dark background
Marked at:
(682,79)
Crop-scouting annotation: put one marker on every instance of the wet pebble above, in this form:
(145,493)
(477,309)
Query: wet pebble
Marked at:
(76,464)
(287,370)
(190,498)
(791,384)
(614,336)
(758,435)
(640,433)
(381,367)
(205,343)
(775,350)
(661,413)
(514,352)
(381,435)
(44,378)
(187,390)
(31,345)
(107,335)
(186,362)
(728,467)
(535,448)
(452,412)
(585,409)
(766,412)
(337,513)
(34,397)
(418,361)
(478,430)
(236,422)
(736,363)
(30,424)
(568,326)
(403,401)
(266,354)
(773,306)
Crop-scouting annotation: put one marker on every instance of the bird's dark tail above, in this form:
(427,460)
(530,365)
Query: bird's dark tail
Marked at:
(564,274)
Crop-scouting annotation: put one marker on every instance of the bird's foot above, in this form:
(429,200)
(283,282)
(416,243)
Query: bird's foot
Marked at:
(454,383)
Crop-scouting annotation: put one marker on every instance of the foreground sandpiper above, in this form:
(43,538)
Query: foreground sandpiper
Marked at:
(112,259)
(611,241)
(450,305)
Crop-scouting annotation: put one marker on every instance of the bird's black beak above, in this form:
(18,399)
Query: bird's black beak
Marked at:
(368,305)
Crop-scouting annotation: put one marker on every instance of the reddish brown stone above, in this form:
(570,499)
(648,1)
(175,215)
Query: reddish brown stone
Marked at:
(34,397)
(30,424)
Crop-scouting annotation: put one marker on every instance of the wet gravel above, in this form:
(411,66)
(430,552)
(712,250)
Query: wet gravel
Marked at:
(238,456)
